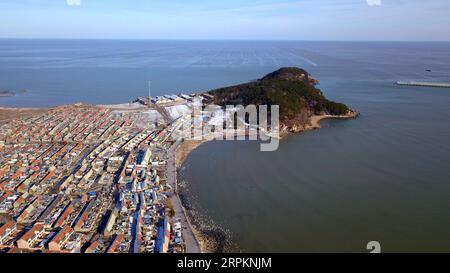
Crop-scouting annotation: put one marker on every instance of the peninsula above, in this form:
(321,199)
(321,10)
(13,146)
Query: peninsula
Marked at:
(302,104)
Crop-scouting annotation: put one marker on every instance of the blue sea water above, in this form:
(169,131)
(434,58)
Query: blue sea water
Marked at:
(382,177)
(116,71)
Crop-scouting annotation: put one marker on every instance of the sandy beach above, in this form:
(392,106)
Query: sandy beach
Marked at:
(185,149)
(316,119)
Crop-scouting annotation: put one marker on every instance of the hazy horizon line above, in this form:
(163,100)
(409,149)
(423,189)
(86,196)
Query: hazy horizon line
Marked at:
(230,40)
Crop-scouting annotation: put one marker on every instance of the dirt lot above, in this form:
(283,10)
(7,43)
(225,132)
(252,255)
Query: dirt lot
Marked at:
(7,114)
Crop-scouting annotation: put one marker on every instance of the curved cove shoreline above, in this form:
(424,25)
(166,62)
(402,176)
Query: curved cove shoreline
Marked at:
(211,237)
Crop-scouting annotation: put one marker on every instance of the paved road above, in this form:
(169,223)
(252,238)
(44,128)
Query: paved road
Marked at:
(192,245)
(166,116)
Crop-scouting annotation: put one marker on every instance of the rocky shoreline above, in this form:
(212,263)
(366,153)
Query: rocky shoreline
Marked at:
(314,123)
(211,237)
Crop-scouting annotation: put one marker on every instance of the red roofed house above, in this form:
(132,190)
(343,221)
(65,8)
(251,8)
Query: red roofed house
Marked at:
(6,230)
(58,242)
(29,239)
(112,248)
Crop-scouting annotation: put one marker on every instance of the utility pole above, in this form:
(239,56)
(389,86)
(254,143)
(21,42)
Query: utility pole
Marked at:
(149,93)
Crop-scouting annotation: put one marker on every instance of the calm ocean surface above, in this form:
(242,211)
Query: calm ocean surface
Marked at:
(384,176)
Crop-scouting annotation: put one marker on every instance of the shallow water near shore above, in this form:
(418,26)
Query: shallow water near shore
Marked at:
(382,177)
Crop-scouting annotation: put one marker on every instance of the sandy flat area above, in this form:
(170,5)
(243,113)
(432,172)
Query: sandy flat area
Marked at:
(124,106)
(315,120)
(7,114)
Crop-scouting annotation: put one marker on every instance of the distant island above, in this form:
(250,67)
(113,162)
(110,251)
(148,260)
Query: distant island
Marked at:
(302,104)
(6,93)
(11,93)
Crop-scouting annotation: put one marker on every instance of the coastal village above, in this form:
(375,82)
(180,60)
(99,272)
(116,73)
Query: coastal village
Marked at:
(95,179)
(103,179)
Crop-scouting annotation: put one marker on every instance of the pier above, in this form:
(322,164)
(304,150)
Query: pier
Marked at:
(423,84)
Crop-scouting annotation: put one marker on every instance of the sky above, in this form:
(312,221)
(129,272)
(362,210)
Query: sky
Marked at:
(381,20)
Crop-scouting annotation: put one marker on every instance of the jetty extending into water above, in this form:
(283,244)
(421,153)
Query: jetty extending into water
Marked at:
(423,84)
